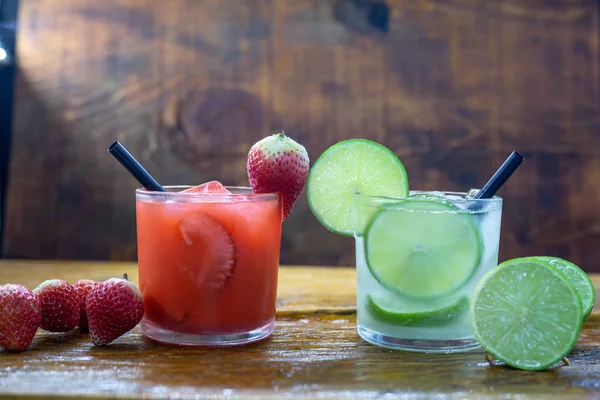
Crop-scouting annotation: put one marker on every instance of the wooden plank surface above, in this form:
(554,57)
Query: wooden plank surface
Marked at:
(314,352)
(451,86)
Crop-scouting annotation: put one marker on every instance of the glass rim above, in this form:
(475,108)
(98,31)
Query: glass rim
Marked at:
(495,199)
(244,193)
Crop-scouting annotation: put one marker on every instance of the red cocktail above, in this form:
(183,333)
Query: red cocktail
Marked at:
(208,263)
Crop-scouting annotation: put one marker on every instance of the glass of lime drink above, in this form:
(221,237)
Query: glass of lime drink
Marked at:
(419,255)
(418,259)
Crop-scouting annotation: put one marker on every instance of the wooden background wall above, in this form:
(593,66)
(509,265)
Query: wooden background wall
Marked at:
(452,86)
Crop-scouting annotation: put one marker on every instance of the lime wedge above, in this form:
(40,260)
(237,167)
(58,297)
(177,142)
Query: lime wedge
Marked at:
(391,311)
(526,313)
(349,167)
(422,248)
(582,282)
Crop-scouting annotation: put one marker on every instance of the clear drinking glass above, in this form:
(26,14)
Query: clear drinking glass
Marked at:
(208,265)
(418,261)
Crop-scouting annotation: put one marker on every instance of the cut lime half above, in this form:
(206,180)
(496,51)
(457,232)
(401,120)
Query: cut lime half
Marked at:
(582,282)
(391,311)
(423,248)
(526,313)
(349,167)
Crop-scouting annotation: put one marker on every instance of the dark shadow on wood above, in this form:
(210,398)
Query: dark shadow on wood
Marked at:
(20,220)
(8,19)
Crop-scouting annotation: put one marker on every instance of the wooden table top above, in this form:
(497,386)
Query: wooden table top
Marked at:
(314,352)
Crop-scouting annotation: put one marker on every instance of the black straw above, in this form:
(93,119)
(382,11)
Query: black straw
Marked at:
(134,167)
(500,177)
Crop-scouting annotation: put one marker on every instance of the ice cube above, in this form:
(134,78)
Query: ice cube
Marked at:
(212,187)
(428,196)
(472,193)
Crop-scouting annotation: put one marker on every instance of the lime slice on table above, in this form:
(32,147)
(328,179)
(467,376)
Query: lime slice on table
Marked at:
(388,310)
(582,282)
(526,313)
(423,248)
(349,167)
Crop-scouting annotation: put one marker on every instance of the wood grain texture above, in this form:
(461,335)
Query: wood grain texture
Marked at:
(299,288)
(450,86)
(314,352)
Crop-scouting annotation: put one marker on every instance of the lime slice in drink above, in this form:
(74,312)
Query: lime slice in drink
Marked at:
(349,167)
(422,248)
(388,310)
(526,313)
(582,282)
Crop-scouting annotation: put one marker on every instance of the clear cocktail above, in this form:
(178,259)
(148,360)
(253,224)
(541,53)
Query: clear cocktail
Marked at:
(419,255)
(208,264)
(418,261)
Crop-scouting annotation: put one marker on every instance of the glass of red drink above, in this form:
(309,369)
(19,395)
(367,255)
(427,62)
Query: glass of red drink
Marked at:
(208,264)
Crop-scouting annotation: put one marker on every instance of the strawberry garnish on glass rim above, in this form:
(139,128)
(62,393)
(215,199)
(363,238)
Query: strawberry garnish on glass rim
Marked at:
(278,164)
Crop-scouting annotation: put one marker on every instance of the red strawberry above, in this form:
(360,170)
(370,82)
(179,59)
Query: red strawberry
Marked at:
(20,316)
(208,243)
(278,164)
(60,305)
(83,288)
(114,307)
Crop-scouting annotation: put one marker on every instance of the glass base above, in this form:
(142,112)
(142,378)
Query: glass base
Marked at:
(167,336)
(424,346)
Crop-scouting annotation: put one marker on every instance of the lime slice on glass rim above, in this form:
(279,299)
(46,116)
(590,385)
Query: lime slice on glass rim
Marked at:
(526,313)
(346,168)
(582,282)
(388,310)
(423,248)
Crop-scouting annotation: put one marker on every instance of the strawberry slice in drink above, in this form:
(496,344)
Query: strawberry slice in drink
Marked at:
(212,187)
(210,254)
(211,241)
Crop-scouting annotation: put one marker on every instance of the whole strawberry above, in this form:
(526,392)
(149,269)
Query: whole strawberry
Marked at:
(83,288)
(60,305)
(278,164)
(114,307)
(20,316)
